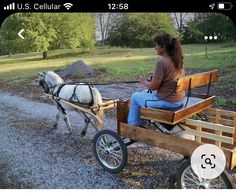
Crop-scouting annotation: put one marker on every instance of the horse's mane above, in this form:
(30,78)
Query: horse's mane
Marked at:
(55,77)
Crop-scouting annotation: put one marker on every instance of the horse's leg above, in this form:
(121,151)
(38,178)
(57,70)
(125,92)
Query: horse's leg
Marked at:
(55,125)
(66,118)
(67,121)
(87,121)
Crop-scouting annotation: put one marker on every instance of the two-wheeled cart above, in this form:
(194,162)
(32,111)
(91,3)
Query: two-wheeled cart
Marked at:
(213,126)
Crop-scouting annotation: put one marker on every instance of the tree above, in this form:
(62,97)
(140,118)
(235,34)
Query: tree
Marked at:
(192,32)
(38,33)
(208,24)
(136,30)
(3,49)
(44,31)
(74,30)
(103,24)
(180,19)
(221,25)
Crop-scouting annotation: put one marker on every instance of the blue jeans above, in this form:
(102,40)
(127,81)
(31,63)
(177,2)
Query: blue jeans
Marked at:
(139,99)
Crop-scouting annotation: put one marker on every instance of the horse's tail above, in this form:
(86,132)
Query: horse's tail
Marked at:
(97,99)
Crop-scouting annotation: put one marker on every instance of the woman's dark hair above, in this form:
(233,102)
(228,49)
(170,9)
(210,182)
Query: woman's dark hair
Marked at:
(172,46)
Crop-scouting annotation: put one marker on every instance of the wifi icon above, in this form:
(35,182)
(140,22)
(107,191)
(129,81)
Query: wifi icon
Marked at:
(68,5)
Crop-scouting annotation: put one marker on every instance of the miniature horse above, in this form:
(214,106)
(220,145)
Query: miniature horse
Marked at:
(82,94)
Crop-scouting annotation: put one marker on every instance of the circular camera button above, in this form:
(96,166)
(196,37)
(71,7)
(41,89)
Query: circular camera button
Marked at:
(208,161)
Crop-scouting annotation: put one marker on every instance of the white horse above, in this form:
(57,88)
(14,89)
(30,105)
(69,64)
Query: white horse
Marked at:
(83,94)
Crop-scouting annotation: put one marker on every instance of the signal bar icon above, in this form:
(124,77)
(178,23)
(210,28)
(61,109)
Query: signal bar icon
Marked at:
(10,7)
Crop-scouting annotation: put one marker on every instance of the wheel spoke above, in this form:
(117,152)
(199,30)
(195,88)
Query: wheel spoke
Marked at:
(189,179)
(100,150)
(190,185)
(192,180)
(115,160)
(103,141)
(193,175)
(190,176)
(116,157)
(100,146)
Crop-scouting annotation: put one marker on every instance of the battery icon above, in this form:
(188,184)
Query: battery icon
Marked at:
(224,6)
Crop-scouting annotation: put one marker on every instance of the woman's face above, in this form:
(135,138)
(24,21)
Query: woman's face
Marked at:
(160,50)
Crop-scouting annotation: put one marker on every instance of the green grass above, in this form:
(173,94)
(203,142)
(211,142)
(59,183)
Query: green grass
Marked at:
(116,62)
(127,64)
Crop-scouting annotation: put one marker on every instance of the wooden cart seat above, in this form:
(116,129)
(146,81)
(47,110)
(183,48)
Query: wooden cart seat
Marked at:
(194,105)
(174,116)
(191,101)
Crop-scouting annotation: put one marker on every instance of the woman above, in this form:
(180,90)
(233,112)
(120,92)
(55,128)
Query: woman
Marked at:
(168,69)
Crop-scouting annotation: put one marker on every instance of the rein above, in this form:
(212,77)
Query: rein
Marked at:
(109,83)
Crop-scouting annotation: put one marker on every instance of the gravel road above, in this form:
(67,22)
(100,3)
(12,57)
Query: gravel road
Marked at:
(34,156)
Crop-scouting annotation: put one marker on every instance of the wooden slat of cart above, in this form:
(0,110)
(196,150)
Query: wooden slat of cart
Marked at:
(212,136)
(199,138)
(217,132)
(226,118)
(220,121)
(234,136)
(209,125)
(122,112)
(157,115)
(233,159)
(169,142)
(222,112)
(165,141)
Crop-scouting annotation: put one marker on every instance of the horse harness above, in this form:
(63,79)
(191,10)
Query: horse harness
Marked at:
(56,98)
(74,96)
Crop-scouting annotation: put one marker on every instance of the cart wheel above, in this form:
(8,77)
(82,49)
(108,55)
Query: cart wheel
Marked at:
(110,151)
(187,179)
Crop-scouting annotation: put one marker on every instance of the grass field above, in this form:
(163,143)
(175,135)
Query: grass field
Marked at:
(119,63)
(126,64)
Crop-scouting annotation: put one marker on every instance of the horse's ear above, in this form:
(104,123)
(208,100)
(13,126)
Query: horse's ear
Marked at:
(40,74)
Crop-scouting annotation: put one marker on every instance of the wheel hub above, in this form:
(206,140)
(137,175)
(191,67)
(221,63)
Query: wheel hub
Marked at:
(204,185)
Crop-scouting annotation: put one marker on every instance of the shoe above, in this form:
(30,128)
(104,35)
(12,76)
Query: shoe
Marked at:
(143,126)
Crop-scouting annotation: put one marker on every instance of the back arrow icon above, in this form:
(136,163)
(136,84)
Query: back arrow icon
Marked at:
(20,32)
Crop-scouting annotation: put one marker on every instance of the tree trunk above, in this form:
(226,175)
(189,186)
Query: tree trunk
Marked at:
(45,55)
(101,20)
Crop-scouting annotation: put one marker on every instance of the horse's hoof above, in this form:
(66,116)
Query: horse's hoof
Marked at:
(82,134)
(54,127)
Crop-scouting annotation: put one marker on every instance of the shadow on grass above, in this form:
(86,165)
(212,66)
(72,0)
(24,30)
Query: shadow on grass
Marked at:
(51,55)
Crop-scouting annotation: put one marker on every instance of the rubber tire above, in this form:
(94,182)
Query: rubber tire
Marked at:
(123,149)
(186,163)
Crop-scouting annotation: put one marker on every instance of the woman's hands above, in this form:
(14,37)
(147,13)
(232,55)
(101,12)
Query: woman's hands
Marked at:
(152,84)
(146,81)
(143,80)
